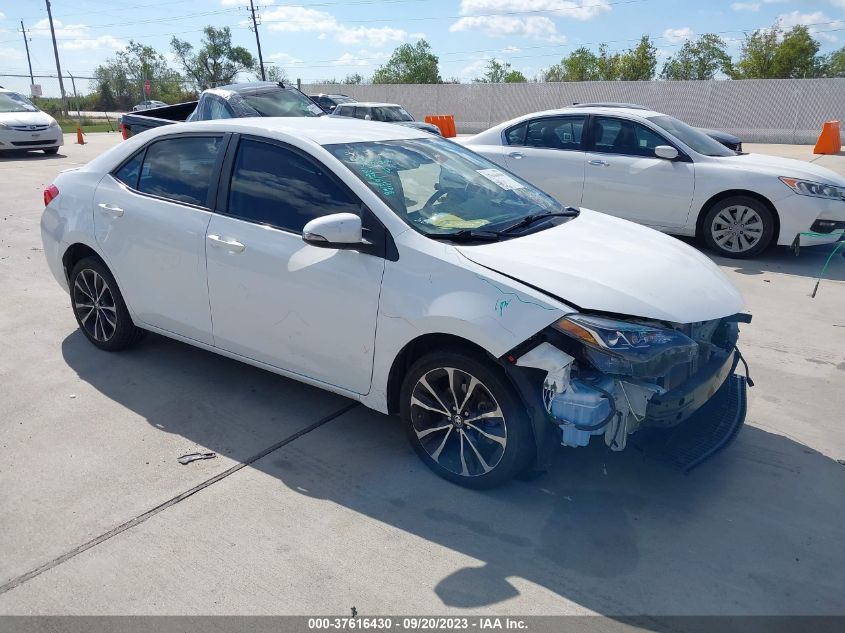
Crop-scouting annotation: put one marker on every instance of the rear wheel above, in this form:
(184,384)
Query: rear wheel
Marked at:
(738,227)
(464,420)
(99,307)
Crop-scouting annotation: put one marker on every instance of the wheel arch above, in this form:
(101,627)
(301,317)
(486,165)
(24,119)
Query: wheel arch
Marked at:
(77,252)
(729,193)
(418,347)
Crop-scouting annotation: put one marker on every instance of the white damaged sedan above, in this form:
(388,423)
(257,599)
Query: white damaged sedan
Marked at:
(408,273)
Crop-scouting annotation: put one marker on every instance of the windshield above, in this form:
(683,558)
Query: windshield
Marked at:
(13,102)
(282,103)
(441,188)
(391,114)
(691,137)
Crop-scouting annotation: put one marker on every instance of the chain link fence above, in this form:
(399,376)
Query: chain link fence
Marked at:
(757,110)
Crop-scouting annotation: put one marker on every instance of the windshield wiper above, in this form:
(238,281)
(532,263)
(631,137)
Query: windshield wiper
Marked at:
(569,212)
(467,235)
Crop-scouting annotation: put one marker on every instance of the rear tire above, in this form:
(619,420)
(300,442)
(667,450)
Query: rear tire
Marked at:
(99,308)
(738,227)
(464,419)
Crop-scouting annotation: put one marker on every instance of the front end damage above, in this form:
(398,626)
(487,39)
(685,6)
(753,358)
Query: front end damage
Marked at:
(589,376)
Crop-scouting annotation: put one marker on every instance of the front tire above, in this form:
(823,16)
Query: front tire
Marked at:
(51,151)
(464,419)
(738,227)
(99,307)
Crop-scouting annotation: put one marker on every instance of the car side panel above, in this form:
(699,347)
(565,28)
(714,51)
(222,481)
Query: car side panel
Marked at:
(433,289)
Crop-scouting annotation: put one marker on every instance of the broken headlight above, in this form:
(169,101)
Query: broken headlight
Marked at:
(627,348)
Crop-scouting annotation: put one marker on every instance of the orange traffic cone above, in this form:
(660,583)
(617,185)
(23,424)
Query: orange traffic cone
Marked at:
(829,141)
(79,139)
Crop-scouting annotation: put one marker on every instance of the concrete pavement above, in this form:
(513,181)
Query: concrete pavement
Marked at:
(346,515)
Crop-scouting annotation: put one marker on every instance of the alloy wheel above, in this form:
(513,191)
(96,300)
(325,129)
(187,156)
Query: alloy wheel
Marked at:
(458,422)
(94,305)
(737,228)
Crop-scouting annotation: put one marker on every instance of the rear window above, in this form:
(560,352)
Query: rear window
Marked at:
(282,103)
(180,169)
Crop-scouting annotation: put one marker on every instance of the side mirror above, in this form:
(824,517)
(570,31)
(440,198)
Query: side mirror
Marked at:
(666,151)
(339,230)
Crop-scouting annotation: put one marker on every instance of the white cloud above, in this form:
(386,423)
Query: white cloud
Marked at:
(2,16)
(473,70)
(745,6)
(284,59)
(103,41)
(838,3)
(577,9)
(676,36)
(292,19)
(755,6)
(10,53)
(361,58)
(42,29)
(539,27)
(817,23)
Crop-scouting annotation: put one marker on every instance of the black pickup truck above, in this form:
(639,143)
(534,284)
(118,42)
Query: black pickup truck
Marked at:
(263,98)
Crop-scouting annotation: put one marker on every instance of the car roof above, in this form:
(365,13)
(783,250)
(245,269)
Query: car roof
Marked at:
(373,104)
(329,94)
(322,130)
(252,86)
(609,104)
(612,110)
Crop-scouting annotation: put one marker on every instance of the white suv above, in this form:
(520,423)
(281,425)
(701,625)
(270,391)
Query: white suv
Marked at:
(404,271)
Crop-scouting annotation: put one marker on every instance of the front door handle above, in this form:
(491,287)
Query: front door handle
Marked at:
(599,163)
(111,209)
(516,155)
(233,246)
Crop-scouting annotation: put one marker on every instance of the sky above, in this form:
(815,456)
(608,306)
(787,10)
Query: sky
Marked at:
(324,39)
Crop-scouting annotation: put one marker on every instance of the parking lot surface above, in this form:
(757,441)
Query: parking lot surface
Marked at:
(98,517)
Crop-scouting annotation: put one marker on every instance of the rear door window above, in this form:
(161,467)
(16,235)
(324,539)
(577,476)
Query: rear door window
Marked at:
(181,169)
(128,173)
(556,132)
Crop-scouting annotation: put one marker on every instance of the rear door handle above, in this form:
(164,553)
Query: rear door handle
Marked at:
(516,155)
(111,209)
(599,163)
(233,246)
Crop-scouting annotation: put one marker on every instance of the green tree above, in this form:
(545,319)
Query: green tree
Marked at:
(835,64)
(699,59)
(353,79)
(638,63)
(582,64)
(120,81)
(410,64)
(273,73)
(777,54)
(216,62)
(500,73)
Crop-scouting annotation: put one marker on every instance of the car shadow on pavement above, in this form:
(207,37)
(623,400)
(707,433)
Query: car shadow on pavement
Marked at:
(13,155)
(779,259)
(756,530)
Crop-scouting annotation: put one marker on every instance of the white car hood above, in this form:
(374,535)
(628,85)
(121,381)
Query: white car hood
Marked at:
(600,263)
(25,118)
(777,166)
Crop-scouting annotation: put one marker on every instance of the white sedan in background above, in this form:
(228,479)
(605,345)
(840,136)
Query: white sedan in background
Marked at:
(24,127)
(402,270)
(653,169)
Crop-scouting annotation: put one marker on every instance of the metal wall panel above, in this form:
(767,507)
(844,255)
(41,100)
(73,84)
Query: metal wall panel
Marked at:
(758,110)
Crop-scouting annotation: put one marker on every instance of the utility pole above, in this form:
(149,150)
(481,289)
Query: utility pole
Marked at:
(56,52)
(257,40)
(28,60)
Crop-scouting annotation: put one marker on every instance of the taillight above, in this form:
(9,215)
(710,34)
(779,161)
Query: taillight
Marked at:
(50,194)
(124,132)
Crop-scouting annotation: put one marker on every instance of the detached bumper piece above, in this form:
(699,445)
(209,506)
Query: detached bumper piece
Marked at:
(710,429)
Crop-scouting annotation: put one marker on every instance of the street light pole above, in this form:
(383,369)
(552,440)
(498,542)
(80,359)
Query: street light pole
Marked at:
(257,40)
(56,52)
(28,60)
